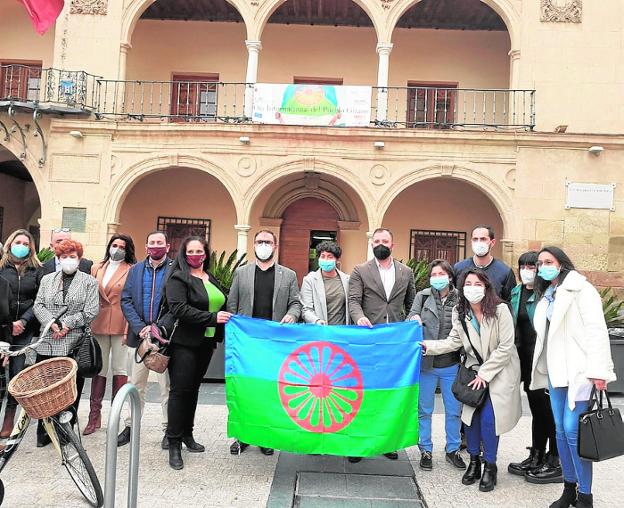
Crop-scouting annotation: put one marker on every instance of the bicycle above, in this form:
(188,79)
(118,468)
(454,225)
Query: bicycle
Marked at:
(65,440)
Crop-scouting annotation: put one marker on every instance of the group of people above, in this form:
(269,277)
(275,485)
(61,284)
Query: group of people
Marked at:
(546,333)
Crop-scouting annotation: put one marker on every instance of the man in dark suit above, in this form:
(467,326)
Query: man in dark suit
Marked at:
(52,265)
(380,291)
(266,290)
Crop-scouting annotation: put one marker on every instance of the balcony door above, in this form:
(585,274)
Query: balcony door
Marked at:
(20,81)
(194,98)
(431,105)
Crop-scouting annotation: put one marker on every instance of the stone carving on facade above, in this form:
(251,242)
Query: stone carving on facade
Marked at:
(246,167)
(562,11)
(386,4)
(379,174)
(93,7)
(254,3)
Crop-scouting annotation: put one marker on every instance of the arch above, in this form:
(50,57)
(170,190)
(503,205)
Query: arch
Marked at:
(504,8)
(140,170)
(306,165)
(496,194)
(135,8)
(268,8)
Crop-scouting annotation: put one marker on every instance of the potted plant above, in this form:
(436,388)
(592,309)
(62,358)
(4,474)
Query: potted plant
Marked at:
(421,273)
(613,308)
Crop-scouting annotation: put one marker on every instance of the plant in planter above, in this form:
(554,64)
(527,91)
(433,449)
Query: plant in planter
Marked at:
(45,254)
(421,273)
(223,268)
(613,309)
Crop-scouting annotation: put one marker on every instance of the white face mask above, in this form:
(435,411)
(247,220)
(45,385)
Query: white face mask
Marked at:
(527,276)
(480,248)
(69,265)
(263,251)
(474,294)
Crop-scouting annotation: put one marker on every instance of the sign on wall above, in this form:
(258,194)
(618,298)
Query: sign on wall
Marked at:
(590,195)
(309,104)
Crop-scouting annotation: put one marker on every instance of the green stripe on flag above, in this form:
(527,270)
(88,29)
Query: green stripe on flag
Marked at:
(386,421)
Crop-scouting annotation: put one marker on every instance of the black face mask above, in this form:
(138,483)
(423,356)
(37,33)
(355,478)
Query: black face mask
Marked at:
(381,252)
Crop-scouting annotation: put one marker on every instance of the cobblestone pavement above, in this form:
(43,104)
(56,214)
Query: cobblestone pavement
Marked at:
(34,476)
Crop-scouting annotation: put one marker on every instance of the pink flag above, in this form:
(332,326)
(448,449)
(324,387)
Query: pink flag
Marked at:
(43,13)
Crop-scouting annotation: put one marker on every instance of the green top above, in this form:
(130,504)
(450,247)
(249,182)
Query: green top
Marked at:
(216,299)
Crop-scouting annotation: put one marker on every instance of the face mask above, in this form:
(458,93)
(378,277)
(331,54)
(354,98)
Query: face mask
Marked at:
(195,260)
(117,254)
(19,250)
(264,252)
(474,294)
(439,283)
(480,248)
(327,265)
(157,253)
(381,252)
(548,272)
(69,265)
(527,276)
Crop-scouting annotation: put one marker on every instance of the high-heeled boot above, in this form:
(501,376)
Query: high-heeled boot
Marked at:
(118,382)
(568,498)
(175,454)
(473,473)
(488,480)
(98,387)
(585,501)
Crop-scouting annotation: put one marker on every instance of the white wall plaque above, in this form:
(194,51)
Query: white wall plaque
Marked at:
(590,195)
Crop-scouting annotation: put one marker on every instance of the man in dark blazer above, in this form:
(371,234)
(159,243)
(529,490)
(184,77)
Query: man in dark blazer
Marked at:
(266,290)
(52,265)
(380,291)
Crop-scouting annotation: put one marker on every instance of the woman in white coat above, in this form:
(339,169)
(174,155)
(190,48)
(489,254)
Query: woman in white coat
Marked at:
(490,326)
(572,355)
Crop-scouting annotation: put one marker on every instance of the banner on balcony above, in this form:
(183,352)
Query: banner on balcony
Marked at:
(309,104)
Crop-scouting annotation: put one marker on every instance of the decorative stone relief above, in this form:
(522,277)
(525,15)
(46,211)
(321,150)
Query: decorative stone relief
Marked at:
(93,7)
(379,174)
(562,11)
(386,4)
(510,179)
(246,166)
(254,3)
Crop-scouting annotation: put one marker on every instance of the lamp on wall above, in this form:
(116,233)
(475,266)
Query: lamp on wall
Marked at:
(76,134)
(595,150)
(244,140)
(379,145)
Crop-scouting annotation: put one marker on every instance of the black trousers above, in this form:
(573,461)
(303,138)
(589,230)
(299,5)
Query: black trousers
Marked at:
(543,423)
(187,367)
(80,381)
(16,363)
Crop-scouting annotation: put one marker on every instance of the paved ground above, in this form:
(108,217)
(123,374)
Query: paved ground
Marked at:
(216,479)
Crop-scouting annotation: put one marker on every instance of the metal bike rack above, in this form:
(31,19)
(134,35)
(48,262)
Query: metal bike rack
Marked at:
(128,390)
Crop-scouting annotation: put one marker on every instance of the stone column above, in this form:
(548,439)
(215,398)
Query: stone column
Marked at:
(253,50)
(369,248)
(242,231)
(508,254)
(119,97)
(516,100)
(383,50)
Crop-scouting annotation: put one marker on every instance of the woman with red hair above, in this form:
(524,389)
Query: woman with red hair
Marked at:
(68,301)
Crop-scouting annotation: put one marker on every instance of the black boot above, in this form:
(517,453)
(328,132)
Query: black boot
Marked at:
(533,461)
(488,480)
(175,454)
(473,473)
(568,498)
(192,445)
(585,501)
(549,472)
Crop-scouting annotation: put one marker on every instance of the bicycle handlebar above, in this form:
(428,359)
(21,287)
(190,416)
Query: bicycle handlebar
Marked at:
(5,347)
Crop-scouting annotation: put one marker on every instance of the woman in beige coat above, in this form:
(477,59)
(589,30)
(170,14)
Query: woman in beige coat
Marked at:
(489,323)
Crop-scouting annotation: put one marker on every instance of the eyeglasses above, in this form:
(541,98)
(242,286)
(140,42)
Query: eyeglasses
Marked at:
(61,230)
(266,242)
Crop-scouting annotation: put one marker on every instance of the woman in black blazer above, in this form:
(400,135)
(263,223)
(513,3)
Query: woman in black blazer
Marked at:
(195,300)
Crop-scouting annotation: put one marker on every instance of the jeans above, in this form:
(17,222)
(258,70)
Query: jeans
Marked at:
(575,469)
(542,424)
(16,363)
(482,429)
(429,379)
(187,366)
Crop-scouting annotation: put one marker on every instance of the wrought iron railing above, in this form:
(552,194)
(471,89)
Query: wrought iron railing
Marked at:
(32,86)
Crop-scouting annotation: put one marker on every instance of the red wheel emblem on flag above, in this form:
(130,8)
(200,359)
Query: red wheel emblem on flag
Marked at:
(320,387)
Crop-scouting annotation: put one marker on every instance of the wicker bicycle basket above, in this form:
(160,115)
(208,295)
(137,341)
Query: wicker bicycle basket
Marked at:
(46,388)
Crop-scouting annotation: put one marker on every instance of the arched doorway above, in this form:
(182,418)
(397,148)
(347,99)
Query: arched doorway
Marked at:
(434,218)
(181,201)
(20,207)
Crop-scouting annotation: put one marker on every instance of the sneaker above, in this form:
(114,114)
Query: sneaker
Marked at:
(456,459)
(238,447)
(426,462)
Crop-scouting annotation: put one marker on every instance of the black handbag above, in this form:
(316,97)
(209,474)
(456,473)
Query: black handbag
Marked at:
(88,355)
(601,430)
(462,392)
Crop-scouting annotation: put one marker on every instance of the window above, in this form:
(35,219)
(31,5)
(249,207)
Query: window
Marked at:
(317,81)
(431,105)
(20,81)
(194,98)
(75,219)
(430,245)
(178,228)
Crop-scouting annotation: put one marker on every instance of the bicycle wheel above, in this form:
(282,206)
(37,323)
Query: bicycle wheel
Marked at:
(78,464)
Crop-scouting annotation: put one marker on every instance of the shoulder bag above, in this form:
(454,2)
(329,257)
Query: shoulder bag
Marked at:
(464,393)
(153,349)
(600,430)
(88,355)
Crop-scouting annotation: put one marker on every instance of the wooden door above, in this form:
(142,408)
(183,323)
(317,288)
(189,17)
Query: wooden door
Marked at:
(299,220)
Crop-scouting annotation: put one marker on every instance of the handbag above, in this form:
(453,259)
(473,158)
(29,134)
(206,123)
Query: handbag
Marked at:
(462,392)
(152,351)
(600,430)
(88,355)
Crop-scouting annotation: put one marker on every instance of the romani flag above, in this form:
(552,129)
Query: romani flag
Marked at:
(43,13)
(338,390)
